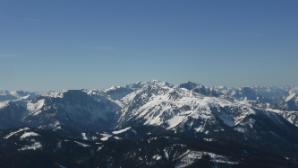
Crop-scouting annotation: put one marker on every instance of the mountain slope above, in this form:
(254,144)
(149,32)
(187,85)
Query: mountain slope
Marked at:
(74,110)
(151,124)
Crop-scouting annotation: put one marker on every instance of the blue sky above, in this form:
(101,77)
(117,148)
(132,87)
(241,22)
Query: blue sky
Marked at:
(71,44)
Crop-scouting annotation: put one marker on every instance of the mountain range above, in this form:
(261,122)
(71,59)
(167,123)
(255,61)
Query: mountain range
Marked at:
(150,124)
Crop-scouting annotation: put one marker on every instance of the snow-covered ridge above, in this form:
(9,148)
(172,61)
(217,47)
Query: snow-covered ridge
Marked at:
(35,107)
(154,102)
(159,122)
(293,94)
(121,131)
(168,106)
(33,146)
(291,100)
(112,88)
(15,132)
(54,93)
(28,134)
(105,136)
(290,97)
(174,107)
(291,116)
(190,156)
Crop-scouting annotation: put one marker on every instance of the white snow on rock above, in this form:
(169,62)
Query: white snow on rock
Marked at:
(35,107)
(56,125)
(28,134)
(3,104)
(34,146)
(176,120)
(112,88)
(54,94)
(84,136)
(81,144)
(170,107)
(128,98)
(105,136)
(93,92)
(190,157)
(290,97)
(122,130)
(156,157)
(291,116)
(201,128)
(99,148)
(25,97)
(15,132)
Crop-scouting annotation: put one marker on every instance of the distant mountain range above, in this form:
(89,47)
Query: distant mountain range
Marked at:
(150,124)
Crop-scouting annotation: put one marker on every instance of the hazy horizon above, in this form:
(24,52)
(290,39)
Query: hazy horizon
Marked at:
(49,45)
(45,90)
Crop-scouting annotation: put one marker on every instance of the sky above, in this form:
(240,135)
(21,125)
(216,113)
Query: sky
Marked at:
(74,44)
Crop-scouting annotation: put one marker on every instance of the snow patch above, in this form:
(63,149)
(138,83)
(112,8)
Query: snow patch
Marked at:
(176,120)
(15,132)
(4,104)
(54,94)
(112,88)
(105,137)
(156,157)
(290,97)
(81,144)
(28,134)
(34,146)
(35,108)
(122,130)
(99,148)
(190,157)
(84,136)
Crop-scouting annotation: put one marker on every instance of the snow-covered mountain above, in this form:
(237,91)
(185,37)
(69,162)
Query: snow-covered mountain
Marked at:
(152,124)
(181,110)
(255,94)
(160,104)
(70,109)
(291,100)
(189,105)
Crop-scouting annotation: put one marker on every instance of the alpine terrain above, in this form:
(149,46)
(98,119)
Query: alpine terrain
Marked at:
(150,124)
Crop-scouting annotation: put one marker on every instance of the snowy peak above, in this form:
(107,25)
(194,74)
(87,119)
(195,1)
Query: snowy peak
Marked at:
(54,94)
(35,107)
(151,124)
(291,100)
(119,92)
(181,109)
(171,108)
(156,103)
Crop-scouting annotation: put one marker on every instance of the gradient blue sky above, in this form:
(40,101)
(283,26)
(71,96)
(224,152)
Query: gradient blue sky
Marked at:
(56,44)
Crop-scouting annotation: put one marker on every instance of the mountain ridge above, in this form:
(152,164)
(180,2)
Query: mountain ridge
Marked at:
(170,125)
